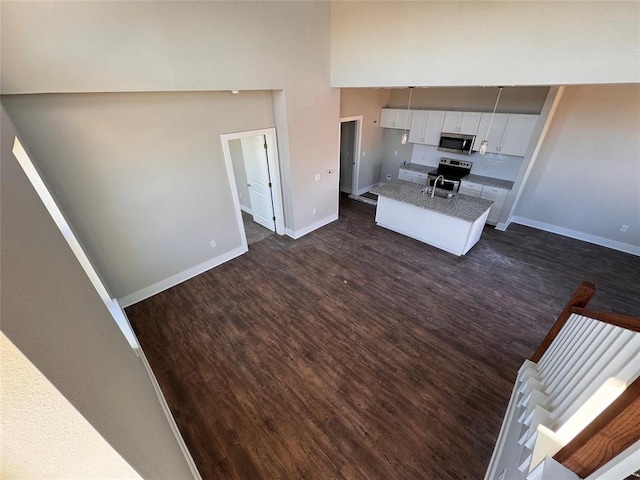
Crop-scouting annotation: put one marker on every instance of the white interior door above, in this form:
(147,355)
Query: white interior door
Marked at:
(257,167)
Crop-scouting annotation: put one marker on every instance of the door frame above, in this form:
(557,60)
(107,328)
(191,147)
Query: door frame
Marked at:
(356,151)
(274,173)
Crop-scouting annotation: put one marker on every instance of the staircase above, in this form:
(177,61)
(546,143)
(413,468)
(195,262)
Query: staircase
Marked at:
(582,382)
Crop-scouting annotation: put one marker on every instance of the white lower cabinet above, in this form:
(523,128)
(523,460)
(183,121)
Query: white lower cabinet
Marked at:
(412,176)
(495,194)
(470,188)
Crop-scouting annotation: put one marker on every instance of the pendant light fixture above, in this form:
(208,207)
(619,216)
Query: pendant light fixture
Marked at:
(405,134)
(485,142)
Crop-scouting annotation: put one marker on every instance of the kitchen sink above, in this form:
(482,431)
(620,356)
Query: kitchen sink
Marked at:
(439,193)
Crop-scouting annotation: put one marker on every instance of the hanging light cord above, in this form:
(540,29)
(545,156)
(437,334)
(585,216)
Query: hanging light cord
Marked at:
(493,113)
(409,104)
(405,134)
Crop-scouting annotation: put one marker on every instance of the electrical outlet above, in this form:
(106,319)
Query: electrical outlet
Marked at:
(395,153)
(364,154)
(624,228)
(317,177)
(314,211)
(212,243)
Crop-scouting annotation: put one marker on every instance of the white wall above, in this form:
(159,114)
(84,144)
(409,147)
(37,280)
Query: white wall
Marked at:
(156,46)
(483,43)
(474,99)
(53,315)
(586,180)
(102,46)
(141,176)
(395,154)
(367,102)
(40,428)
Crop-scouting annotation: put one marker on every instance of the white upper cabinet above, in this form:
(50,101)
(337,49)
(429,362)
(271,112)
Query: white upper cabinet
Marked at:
(496,133)
(426,126)
(461,122)
(395,118)
(518,134)
(510,134)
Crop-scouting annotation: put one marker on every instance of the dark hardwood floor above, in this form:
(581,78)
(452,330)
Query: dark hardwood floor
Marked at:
(358,353)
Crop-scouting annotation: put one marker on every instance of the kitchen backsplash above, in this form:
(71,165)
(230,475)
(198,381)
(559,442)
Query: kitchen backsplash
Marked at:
(504,167)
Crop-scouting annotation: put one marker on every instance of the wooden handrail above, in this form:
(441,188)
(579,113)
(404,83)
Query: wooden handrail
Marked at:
(618,426)
(623,321)
(608,435)
(580,298)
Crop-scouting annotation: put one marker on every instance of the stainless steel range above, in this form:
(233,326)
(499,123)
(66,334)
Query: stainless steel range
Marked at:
(449,173)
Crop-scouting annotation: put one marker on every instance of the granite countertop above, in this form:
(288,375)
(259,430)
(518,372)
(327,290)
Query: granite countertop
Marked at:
(461,206)
(414,167)
(489,181)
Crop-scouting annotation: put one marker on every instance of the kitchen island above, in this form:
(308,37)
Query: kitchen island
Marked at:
(451,224)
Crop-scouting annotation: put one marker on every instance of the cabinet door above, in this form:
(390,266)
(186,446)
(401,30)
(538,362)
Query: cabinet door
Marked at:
(517,134)
(426,126)
(496,133)
(405,175)
(470,121)
(395,118)
(418,126)
(496,209)
(388,118)
(461,122)
(494,192)
(470,188)
(452,122)
(433,127)
(497,196)
(403,119)
(420,178)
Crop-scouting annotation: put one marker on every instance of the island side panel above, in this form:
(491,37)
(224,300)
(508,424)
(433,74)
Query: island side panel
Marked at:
(442,231)
(476,231)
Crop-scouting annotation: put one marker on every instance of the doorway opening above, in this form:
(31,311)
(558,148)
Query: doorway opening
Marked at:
(350,140)
(254,173)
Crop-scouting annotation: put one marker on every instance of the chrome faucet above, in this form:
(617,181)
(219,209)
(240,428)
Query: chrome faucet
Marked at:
(433,190)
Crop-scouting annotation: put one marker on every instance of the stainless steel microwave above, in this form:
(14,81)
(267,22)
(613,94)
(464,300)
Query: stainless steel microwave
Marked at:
(456,143)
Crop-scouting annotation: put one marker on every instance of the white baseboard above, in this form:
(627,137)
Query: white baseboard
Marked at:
(366,189)
(246,209)
(167,411)
(585,237)
(295,234)
(178,278)
(122,320)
